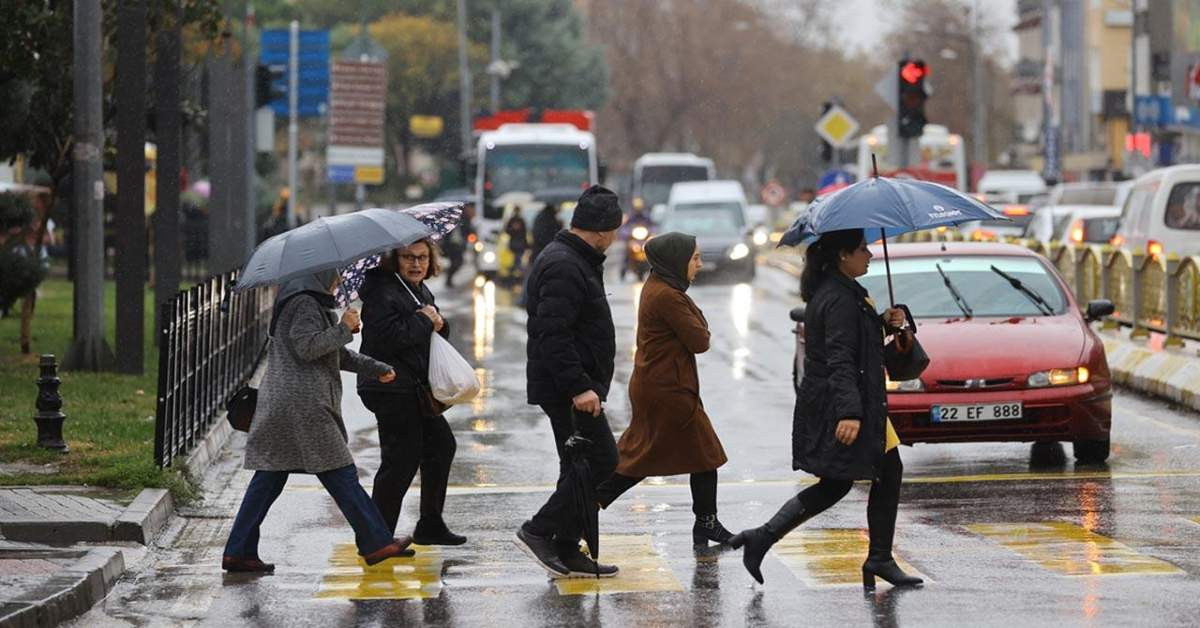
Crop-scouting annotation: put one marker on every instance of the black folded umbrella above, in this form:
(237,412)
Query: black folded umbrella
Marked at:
(580,478)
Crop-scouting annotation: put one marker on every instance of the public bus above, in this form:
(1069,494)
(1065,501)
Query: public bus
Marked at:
(518,160)
(941,160)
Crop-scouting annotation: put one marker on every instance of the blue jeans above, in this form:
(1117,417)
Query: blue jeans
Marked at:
(370,531)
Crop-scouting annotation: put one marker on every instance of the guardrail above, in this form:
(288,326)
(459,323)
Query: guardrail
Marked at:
(1150,293)
(210,339)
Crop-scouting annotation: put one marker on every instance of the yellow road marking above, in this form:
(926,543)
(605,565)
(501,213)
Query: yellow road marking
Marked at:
(1071,550)
(828,557)
(1023,476)
(418,577)
(1196,519)
(643,569)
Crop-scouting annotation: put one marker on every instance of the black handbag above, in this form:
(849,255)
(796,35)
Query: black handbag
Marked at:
(905,366)
(239,409)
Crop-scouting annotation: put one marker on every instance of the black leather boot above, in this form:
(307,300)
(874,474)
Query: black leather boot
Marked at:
(708,528)
(882,506)
(757,541)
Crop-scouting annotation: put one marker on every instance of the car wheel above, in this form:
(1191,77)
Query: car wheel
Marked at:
(1091,451)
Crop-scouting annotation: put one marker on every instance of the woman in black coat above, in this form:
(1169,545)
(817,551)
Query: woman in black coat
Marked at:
(840,430)
(399,318)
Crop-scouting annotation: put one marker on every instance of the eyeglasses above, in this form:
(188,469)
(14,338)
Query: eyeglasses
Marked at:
(415,259)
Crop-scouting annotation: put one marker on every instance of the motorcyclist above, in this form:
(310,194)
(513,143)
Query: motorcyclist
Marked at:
(630,234)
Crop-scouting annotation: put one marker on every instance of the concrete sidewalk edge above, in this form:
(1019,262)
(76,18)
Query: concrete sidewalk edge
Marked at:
(69,593)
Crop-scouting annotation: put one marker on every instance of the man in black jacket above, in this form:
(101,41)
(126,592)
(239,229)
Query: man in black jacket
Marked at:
(570,352)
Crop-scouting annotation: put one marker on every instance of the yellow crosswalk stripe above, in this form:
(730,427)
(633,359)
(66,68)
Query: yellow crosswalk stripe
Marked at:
(643,569)
(1072,550)
(828,557)
(418,577)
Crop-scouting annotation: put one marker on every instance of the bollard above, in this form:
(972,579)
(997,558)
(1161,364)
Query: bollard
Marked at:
(1172,339)
(49,417)
(1140,260)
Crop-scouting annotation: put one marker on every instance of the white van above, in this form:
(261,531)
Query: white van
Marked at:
(1162,213)
(714,212)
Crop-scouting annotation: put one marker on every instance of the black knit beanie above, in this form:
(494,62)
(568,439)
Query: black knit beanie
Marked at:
(597,210)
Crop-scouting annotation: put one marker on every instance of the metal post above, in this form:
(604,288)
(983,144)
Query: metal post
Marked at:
(49,417)
(249,235)
(293,118)
(1172,339)
(1140,261)
(88,351)
(494,83)
(1109,257)
(167,138)
(979,111)
(130,263)
(464,80)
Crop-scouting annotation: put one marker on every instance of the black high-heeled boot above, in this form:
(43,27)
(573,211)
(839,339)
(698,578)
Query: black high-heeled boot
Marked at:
(757,541)
(882,505)
(708,528)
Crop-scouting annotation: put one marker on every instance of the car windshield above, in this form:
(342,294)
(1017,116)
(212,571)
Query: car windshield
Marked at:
(1088,196)
(705,219)
(534,167)
(656,181)
(917,283)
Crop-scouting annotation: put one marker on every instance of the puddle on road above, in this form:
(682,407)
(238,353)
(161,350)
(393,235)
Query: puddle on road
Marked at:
(417,577)
(643,569)
(1072,550)
(829,557)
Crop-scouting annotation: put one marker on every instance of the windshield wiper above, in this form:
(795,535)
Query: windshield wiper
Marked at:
(1030,293)
(958,297)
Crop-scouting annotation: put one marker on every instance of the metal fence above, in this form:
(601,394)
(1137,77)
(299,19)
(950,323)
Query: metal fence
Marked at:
(1150,293)
(210,339)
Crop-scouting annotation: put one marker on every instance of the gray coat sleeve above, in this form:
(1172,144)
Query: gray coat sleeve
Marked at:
(309,335)
(366,366)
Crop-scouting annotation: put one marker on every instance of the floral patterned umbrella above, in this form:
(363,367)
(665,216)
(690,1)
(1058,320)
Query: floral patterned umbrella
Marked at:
(442,218)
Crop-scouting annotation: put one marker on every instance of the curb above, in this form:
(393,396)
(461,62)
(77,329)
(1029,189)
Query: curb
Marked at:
(70,593)
(209,449)
(138,523)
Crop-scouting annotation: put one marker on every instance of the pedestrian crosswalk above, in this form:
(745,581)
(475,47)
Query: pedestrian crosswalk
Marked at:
(816,557)
(1071,550)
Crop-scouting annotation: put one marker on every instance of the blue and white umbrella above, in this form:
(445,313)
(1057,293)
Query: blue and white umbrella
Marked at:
(887,207)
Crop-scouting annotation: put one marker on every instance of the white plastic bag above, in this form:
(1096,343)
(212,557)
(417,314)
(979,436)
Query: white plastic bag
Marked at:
(451,378)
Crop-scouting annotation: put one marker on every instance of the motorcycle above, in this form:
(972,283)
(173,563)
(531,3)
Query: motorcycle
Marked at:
(635,253)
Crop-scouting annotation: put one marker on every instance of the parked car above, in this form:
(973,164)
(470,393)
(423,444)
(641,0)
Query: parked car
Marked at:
(1090,226)
(714,212)
(1012,356)
(1162,213)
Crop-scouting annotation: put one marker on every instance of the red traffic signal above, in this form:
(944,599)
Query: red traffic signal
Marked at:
(913,71)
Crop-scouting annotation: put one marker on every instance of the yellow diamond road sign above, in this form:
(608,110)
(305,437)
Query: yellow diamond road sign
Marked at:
(837,126)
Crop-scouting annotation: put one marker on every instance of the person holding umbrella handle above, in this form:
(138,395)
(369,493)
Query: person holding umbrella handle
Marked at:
(841,432)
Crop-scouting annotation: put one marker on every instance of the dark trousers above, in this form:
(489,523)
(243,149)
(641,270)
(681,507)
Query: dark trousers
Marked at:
(882,503)
(370,533)
(560,517)
(704,491)
(409,441)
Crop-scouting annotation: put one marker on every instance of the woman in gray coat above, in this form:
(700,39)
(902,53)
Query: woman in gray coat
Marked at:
(298,426)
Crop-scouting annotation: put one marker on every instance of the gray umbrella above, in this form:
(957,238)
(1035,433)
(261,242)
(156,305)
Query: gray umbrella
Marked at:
(331,242)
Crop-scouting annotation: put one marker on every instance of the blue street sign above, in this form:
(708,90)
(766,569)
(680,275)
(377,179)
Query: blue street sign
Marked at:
(313,64)
(1153,111)
(340,173)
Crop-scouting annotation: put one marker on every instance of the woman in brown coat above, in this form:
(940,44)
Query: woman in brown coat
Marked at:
(669,433)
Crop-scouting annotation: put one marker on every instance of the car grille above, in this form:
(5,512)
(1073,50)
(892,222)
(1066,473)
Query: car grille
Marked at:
(975,384)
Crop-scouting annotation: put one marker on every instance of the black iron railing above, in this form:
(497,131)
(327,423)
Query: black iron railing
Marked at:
(210,339)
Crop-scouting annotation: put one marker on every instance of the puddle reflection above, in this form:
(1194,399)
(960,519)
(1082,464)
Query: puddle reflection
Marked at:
(484,299)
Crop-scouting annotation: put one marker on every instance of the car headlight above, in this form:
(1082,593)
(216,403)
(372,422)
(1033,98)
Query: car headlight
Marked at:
(640,233)
(489,258)
(739,251)
(760,237)
(1059,377)
(908,385)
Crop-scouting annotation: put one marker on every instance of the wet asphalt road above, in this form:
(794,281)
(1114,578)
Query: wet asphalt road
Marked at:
(1004,536)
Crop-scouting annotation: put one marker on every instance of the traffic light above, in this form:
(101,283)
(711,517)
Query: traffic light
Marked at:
(910,109)
(270,84)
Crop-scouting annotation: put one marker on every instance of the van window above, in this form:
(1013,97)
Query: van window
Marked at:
(1183,207)
(1136,212)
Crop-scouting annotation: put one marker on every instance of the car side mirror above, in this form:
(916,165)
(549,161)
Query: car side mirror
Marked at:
(1099,308)
(797,314)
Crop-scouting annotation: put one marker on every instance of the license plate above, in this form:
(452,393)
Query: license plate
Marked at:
(976,412)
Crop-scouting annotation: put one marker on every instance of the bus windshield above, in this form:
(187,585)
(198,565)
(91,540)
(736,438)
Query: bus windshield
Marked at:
(531,168)
(656,181)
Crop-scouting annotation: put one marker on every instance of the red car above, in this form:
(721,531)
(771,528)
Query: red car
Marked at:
(1012,356)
